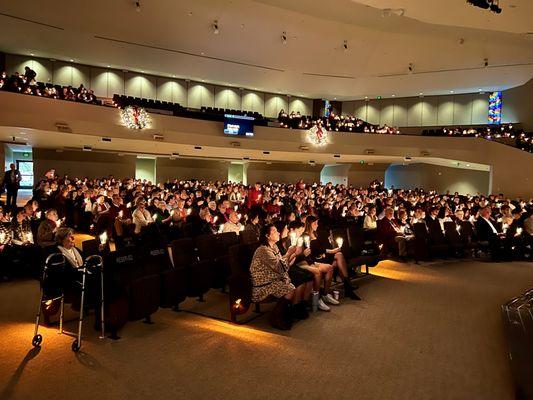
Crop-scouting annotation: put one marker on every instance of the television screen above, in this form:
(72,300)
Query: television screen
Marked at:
(238,125)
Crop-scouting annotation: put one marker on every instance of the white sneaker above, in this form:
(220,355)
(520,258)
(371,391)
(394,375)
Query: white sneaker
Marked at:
(329,299)
(322,306)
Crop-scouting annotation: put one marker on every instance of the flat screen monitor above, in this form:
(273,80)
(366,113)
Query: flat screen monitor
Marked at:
(238,125)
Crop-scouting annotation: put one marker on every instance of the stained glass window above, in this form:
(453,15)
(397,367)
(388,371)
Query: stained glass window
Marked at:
(495,108)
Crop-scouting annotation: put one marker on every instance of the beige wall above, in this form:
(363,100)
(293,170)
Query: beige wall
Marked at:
(460,109)
(283,172)
(518,105)
(80,164)
(107,81)
(439,178)
(208,170)
(360,175)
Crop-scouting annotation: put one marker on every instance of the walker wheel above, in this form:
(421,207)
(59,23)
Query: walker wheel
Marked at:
(75,345)
(37,340)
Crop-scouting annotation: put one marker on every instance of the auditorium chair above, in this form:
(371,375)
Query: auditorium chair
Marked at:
(240,282)
(453,236)
(364,252)
(92,247)
(423,248)
(211,249)
(125,275)
(229,239)
(198,274)
(248,237)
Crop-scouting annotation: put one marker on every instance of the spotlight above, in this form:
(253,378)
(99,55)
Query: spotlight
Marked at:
(485,62)
(345,45)
(284,37)
(410,68)
(216,30)
(138,6)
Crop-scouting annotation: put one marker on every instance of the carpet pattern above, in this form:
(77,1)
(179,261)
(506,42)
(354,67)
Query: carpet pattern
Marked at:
(428,331)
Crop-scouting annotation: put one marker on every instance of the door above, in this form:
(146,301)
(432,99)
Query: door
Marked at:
(26,171)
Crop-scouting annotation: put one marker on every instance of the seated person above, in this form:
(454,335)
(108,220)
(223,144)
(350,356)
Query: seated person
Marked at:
(269,273)
(47,229)
(321,254)
(253,224)
(233,224)
(390,234)
(370,221)
(141,217)
(487,232)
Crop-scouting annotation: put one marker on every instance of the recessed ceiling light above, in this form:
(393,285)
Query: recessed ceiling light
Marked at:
(31,54)
(334,98)
(451,91)
(468,165)
(142,72)
(71,60)
(202,53)
(393,95)
(109,66)
(420,93)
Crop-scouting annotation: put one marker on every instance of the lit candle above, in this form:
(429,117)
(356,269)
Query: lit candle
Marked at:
(154,217)
(120,214)
(2,237)
(293,238)
(103,238)
(458,228)
(215,219)
(29,237)
(220,228)
(241,228)
(38,214)
(518,231)
(504,228)
(236,208)
(128,205)
(300,242)
(339,241)
(307,241)
(239,216)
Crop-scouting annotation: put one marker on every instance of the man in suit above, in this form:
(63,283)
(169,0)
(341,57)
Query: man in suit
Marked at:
(436,236)
(390,234)
(11,181)
(488,232)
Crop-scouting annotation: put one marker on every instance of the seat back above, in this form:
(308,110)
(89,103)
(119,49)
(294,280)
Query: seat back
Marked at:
(228,239)
(248,237)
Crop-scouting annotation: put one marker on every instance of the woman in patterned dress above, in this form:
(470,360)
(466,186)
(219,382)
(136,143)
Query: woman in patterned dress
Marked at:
(269,270)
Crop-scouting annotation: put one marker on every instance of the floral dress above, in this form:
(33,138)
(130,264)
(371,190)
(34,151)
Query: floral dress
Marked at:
(269,274)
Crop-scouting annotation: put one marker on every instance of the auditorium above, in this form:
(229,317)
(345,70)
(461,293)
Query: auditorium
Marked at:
(266,199)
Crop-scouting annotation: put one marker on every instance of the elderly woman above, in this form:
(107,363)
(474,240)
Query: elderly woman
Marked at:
(270,278)
(47,229)
(141,217)
(66,245)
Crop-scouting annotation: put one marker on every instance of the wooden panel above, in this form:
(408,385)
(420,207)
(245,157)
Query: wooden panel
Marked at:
(462,110)
(271,105)
(208,95)
(194,98)
(387,112)
(180,92)
(81,75)
(63,74)
(164,89)
(445,111)
(234,99)
(430,107)
(414,111)
(259,103)
(221,97)
(133,85)
(360,110)
(373,110)
(43,68)
(247,100)
(148,87)
(480,109)
(400,112)
(99,81)
(115,83)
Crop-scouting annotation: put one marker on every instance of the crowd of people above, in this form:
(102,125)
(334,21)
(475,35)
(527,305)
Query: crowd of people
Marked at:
(291,263)
(27,84)
(333,122)
(505,133)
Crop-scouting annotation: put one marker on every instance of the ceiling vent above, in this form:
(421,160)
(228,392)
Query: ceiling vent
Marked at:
(159,138)
(407,158)
(304,148)
(198,147)
(266,152)
(370,151)
(87,148)
(235,144)
(63,127)
(337,155)
(105,139)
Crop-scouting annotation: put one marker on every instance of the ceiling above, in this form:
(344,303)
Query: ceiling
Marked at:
(446,41)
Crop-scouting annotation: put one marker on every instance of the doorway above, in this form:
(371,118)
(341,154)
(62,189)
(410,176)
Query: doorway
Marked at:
(26,171)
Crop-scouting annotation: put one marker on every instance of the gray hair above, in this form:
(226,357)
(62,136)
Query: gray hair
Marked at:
(62,234)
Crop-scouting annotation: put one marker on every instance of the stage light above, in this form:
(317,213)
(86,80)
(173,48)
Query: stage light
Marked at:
(138,6)
(345,45)
(284,37)
(410,68)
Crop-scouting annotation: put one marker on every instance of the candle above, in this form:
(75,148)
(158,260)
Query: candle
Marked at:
(103,238)
(189,210)
(239,216)
(307,241)
(458,228)
(293,238)
(29,237)
(241,228)
(518,231)
(504,228)
(154,217)
(339,242)
(300,242)
(215,219)
(120,214)
(235,208)
(220,228)
(128,205)
(2,237)
(38,214)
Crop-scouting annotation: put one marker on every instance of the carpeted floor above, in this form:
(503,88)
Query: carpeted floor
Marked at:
(422,332)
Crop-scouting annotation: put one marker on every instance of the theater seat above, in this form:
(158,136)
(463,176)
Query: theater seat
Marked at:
(198,274)
(240,283)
